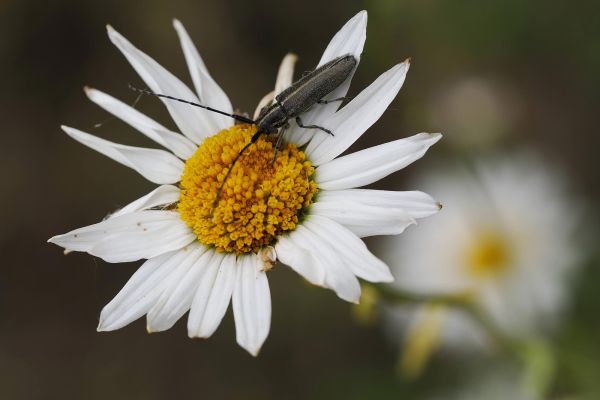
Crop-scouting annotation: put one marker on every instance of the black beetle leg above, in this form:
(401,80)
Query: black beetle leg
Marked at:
(332,100)
(279,142)
(299,122)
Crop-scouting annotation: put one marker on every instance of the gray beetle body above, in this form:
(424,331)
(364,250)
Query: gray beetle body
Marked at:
(303,94)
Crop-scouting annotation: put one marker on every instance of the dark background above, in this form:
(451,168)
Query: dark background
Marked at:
(540,59)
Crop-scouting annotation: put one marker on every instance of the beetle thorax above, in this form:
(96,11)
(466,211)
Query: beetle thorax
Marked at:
(271,118)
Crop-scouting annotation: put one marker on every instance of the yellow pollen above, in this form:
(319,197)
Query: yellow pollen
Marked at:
(488,256)
(259,201)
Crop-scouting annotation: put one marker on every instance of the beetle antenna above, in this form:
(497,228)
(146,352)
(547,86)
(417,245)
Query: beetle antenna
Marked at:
(240,118)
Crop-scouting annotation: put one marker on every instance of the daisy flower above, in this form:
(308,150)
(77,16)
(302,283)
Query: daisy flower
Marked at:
(505,242)
(303,210)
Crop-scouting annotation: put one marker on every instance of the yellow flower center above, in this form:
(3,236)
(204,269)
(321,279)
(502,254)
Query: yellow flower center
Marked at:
(258,201)
(488,256)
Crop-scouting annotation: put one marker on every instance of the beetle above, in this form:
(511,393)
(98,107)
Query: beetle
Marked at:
(292,102)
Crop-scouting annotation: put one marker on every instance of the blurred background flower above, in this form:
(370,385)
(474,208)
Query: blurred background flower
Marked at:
(496,263)
(528,72)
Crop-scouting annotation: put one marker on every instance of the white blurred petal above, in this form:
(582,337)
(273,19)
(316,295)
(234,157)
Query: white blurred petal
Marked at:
(181,146)
(158,166)
(212,296)
(193,122)
(209,92)
(251,304)
(370,165)
(349,123)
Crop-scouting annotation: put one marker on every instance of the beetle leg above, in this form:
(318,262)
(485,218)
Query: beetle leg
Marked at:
(299,122)
(332,100)
(279,142)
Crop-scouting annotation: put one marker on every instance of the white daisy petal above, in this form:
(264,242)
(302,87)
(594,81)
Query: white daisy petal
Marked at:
(194,122)
(364,220)
(209,92)
(416,204)
(299,136)
(349,40)
(285,74)
(150,240)
(349,123)
(251,305)
(300,260)
(338,276)
(212,296)
(140,292)
(177,298)
(84,239)
(360,260)
(162,195)
(265,101)
(370,165)
(158,166)
(181,146)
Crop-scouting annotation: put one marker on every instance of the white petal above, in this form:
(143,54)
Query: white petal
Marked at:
(299,136)
(84,239)
(416,204)
(300,260)
(212,296)
(157,166)
(181,146)
(177,297)
(140,292)
(251,305)
(349,123)
(364,220)
(194,122)
(209,92)
(265,101)
(370,165)
(337,275)
(360,260)
(349,40)
(156,239)
(162,195)
(285,74)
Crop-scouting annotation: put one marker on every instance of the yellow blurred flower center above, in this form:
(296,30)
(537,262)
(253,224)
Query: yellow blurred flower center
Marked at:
(259,200)
(488,256)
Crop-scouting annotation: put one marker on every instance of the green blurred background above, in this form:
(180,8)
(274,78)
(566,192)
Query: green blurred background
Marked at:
(537,62)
